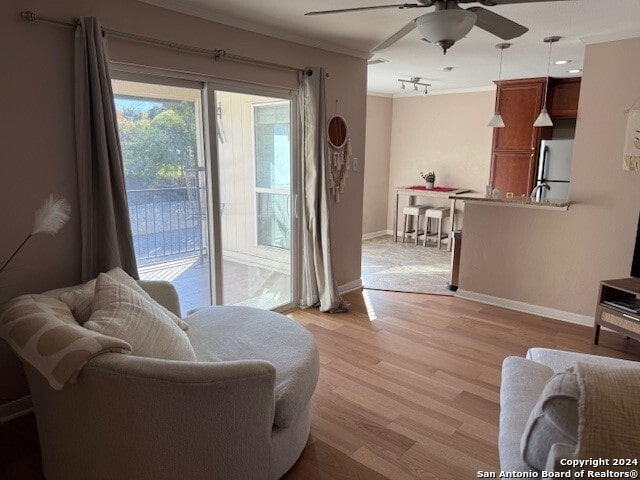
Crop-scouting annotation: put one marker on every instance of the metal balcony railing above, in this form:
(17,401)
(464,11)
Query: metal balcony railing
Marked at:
(167,223)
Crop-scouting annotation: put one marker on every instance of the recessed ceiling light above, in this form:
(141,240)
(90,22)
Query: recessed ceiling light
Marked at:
(575,70)
(562,62)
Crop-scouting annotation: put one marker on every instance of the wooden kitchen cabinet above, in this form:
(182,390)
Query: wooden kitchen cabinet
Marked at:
(512,171)
(564,94)
(515,147)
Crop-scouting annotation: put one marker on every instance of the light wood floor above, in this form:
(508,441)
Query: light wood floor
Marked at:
(408,387)
(409,384)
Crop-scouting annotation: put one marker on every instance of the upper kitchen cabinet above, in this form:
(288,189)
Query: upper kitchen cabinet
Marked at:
(515,147)
(564,94)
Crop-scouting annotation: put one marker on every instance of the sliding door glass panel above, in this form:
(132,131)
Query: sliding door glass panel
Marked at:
(254,164)
(161,134)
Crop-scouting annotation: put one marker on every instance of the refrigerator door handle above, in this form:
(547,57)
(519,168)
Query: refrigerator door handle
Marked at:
(543,167)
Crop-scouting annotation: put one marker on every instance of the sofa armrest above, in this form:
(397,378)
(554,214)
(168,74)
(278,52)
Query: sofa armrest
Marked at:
(164,293)
(521,384)
(139,418)
(560,360)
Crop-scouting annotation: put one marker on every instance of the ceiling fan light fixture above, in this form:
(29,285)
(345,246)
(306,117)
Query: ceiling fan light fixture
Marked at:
(446,27)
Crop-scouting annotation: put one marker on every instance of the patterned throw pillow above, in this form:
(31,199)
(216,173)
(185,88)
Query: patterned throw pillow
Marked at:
(80,299)
(45,335)
(122,312)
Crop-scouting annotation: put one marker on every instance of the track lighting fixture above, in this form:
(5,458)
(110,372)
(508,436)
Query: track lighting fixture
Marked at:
(415,81)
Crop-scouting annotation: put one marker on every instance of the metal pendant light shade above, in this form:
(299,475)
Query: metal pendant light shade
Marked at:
(497,121)
(544,120)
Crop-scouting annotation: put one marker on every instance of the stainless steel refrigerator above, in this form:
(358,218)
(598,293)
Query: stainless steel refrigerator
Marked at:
(554,169)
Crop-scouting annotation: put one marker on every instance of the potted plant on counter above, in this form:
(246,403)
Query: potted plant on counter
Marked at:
(430,178)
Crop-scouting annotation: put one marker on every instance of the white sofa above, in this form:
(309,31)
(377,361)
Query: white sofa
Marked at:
(241,411)
(523,380)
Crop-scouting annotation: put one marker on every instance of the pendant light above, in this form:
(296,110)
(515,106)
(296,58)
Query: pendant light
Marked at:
(544,120)
(497,121)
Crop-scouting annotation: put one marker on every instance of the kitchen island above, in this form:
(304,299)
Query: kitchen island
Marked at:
(521,202)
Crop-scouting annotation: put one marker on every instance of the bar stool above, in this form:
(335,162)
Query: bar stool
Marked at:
(415,211)
(436,213)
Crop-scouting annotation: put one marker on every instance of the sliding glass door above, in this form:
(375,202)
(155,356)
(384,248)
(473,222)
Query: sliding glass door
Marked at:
(254,147)
(210,184)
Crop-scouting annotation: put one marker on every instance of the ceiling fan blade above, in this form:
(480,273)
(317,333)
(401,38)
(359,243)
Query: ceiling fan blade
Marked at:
(498,25)
(377,7)
(395,37)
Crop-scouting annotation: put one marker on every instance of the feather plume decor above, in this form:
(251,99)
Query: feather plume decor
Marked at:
(49,218)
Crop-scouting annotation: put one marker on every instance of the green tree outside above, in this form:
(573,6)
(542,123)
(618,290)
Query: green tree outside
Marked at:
(158,140)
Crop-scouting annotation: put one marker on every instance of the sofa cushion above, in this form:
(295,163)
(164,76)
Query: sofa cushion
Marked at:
(244,333)
(44,334)
(554,419)
(80,298)
(122,312)
(522,383)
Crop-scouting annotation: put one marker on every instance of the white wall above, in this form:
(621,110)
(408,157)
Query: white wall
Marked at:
(376,164)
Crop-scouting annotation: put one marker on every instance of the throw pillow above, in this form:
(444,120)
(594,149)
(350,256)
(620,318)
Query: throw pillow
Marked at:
(44,334)
(122,312)
(80,299)
(554,419)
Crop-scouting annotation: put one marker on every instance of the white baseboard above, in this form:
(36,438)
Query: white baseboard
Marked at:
(15,408)
(349,287)
(527,308)
(381,233)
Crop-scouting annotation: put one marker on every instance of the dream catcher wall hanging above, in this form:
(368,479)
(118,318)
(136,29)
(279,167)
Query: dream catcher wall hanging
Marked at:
(339,155)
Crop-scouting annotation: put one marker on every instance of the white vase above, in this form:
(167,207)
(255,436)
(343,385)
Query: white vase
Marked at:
(429,185)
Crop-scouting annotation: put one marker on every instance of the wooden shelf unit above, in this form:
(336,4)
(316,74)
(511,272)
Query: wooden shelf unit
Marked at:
(616,319)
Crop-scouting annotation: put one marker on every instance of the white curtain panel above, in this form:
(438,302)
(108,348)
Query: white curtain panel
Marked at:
(319,286)
(104,216)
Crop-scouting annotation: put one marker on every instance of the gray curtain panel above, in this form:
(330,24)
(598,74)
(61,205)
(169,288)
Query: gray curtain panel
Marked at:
(104,216)
(319,286)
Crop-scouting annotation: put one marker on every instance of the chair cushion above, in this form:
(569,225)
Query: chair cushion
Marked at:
(80,298)
(554,419)
(438,212)
(244,333)
(44,334)
(415,209)
(122,312)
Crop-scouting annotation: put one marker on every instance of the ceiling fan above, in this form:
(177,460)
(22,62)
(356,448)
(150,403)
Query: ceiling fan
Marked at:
(448,23)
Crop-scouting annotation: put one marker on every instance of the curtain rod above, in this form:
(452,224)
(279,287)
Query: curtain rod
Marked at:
(217,54)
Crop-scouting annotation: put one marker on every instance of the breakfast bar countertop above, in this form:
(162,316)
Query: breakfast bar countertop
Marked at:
(522,202)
